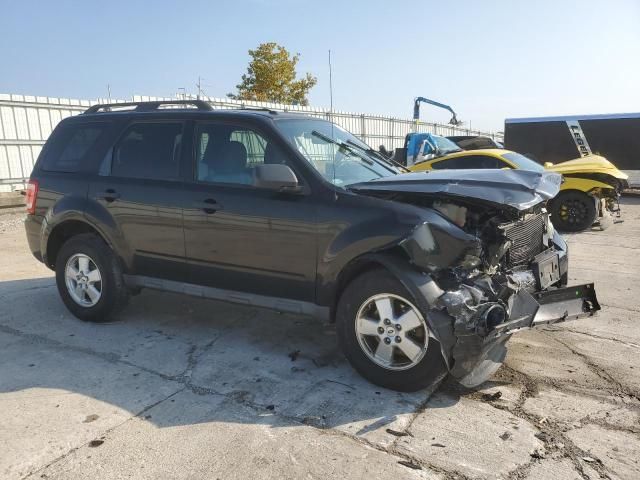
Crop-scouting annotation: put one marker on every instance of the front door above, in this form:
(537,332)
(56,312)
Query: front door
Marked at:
(239,237)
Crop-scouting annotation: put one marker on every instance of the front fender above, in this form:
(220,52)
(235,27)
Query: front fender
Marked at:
(385,226)
(583,184)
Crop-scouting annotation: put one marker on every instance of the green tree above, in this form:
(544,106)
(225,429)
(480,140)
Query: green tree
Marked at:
(271,77)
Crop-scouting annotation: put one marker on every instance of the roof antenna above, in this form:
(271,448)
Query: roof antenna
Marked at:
(331,117)
(330,86)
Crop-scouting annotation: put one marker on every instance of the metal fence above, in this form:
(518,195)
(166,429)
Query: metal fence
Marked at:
(26,122)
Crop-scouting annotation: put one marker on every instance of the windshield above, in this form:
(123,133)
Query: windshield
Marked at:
(445,145)
(339,156)
(522,162)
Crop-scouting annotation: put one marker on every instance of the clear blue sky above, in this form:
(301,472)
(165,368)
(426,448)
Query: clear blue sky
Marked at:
(488,59)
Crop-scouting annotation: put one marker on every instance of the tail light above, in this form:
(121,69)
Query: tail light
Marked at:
(31,196)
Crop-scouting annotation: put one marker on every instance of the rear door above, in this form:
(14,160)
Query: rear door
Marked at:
(140,188)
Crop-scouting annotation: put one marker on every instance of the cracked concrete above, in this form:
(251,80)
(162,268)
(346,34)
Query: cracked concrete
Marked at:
(189,388)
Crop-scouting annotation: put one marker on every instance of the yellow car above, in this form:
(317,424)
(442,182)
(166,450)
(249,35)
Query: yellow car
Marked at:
(589,194)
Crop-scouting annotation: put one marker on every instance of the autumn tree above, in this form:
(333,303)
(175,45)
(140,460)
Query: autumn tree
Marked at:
(271,77)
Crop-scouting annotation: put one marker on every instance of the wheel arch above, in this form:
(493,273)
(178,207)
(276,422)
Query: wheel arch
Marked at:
(62,232)
(359,265)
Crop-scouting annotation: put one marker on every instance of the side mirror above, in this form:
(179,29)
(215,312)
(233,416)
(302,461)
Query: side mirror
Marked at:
(275,176)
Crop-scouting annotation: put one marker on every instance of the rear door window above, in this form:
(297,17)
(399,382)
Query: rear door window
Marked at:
(70,146)
(148,150)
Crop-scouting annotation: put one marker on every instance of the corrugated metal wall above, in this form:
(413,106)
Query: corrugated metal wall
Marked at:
(26,122)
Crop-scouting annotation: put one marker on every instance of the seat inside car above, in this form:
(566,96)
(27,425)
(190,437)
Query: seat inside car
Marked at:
(225,163)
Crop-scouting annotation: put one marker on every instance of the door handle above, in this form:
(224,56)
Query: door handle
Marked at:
(210,206)
(108,195)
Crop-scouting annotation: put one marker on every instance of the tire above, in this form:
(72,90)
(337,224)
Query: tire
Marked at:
(573,211)
(85,305)
(356,298)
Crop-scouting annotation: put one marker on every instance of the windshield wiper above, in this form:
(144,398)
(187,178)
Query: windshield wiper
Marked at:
(371,151)
(346,146)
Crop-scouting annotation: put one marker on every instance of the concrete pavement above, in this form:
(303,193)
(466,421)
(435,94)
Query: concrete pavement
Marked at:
(190,388)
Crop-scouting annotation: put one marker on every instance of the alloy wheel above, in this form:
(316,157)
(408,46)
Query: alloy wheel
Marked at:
(83,280)
(391,331)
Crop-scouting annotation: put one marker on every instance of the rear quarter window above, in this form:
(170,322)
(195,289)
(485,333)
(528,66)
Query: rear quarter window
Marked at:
(70,146)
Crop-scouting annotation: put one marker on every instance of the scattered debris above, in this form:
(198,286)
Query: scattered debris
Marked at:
(396,433)
(343,384)
(411,465)
(32,364)
(588,459)
(294,355)
(270,407)
(491,397)
(543,437)
(95,443)
(538,453)
(147,417)
(257,359)
(505,436)
(90,418)
(439,445)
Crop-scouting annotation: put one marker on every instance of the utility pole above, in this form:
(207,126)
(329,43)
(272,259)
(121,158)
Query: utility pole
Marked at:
(199,85)
(109,91)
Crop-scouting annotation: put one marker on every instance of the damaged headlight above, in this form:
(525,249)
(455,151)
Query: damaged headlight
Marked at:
(456,213)
(434,246)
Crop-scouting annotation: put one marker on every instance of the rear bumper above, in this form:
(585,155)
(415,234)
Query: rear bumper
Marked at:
(33,229)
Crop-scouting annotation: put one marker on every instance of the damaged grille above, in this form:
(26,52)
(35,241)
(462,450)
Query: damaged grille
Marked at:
(526,240)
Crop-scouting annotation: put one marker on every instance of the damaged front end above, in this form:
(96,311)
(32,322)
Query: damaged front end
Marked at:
(485,270)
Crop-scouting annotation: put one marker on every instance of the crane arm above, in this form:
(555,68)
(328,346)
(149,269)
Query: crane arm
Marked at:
(416,109)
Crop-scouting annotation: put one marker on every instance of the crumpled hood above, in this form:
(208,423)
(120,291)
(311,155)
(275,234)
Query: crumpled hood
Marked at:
(517,189)
(588,164)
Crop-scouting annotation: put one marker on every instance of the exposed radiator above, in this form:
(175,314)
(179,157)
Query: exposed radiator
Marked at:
(526,239)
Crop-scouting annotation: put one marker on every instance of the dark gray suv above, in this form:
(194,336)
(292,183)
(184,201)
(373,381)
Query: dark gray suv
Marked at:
(422,272)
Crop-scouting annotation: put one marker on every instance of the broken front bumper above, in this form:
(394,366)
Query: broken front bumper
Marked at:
(477,354)
(472,324)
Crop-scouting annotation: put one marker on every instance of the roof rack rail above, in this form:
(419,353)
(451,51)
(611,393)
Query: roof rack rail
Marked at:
(148,106)
(259,109)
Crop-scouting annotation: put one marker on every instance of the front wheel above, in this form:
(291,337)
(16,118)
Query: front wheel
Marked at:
(385,336)
(573,211)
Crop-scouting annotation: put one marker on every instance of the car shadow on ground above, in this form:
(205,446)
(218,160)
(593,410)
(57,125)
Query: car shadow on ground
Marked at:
(212,361)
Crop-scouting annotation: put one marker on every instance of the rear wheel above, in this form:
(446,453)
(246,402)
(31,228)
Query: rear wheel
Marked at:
(573,211)
(89,279)
(385,336)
